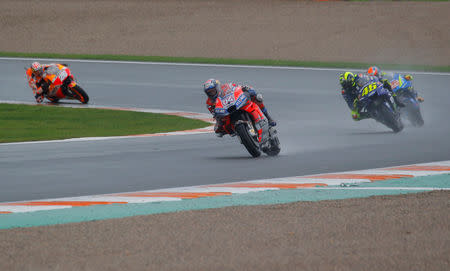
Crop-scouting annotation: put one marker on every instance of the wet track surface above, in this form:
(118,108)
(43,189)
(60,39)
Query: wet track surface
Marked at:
(315,128)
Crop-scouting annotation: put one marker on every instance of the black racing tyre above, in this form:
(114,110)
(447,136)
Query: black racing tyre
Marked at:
(390,119)
(247,140)
(80,94)
(274,149)
(274,143)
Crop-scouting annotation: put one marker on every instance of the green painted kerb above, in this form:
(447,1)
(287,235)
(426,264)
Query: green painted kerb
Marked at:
(81,214)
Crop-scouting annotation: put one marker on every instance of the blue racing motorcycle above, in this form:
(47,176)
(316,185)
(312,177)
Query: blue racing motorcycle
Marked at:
(378,102)
(406,94)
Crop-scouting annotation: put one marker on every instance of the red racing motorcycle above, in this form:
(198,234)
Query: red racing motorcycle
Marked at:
(244,118)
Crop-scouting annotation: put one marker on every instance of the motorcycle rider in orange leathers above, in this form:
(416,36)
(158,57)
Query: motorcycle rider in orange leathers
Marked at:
(40,78)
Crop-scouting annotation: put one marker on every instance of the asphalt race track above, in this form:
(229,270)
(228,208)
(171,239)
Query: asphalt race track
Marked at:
(315,129)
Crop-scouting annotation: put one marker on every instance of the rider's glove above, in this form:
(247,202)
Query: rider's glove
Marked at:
(245,88)
(39,98)
(43,85)
(211,109)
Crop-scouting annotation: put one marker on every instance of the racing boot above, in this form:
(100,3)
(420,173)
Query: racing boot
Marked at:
(272,122)
(357,116)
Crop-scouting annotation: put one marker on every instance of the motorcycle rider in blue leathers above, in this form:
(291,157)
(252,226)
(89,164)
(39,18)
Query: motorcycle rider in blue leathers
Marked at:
(352,84)
(350,94)
(382,76)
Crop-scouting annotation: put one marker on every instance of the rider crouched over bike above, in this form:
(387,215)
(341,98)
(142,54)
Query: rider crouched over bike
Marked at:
(350,94)
(375,71)
(41,77)
(352,84)
(213,88)
(35,76)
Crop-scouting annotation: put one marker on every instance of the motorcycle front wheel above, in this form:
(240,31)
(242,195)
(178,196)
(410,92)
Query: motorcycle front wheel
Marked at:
(390,119)
(274,145)
(247,140)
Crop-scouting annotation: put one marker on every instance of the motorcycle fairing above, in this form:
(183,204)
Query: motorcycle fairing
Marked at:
(261,123)
(368,91)
(228,99)
(57,76)
(398,82)
(235,99)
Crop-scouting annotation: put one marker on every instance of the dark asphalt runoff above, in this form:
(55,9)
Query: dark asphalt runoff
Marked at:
(315,128)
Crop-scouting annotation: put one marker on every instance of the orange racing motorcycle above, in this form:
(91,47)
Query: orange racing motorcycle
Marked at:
(244,118)
(58,83)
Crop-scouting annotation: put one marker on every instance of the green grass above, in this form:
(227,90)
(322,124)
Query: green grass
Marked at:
(257,62)
(30,123)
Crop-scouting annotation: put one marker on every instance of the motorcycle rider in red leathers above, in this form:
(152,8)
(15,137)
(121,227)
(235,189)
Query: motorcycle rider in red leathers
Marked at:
(212,89)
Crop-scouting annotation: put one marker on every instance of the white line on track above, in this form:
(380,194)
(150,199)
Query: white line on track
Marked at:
(207,65)
(378,188)
(328,181)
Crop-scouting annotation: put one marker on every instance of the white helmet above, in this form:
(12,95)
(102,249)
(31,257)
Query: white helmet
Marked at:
(36,67)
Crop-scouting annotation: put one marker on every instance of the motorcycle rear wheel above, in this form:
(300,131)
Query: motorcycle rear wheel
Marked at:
(247,140)
(274,150)
(274,144)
